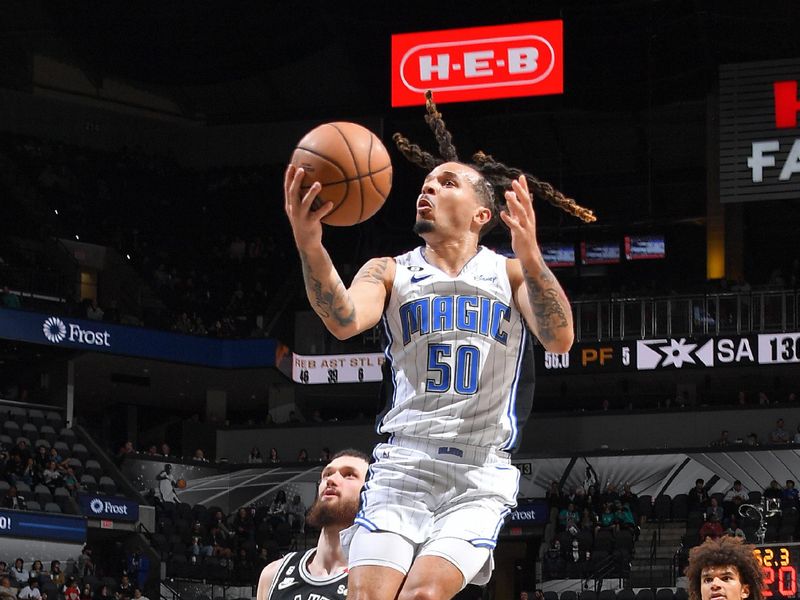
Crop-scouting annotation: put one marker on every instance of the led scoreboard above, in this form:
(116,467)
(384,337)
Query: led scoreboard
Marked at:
(780,562)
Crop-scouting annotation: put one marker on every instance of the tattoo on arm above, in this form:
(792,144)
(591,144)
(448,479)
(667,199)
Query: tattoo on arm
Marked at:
(373,271)
(548,307)
(328,299)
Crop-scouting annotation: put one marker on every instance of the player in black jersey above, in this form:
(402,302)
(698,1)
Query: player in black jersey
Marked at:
(321,572)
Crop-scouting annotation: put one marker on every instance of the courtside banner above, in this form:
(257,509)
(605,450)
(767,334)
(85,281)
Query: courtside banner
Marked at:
(479,63)
(98,336)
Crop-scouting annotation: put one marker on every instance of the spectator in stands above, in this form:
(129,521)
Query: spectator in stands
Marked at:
(20,573)
(627,496)
(789,496)
(741,398)
(608,519)
(199,456)
(553,564)
(273,455)
(779,435)
(220,542)
(255,456)
(201,542)
(752,439)
(296,514)
(6,591)
(624,516)
(734,530)
(167,485)
(796,438)
(137,595)
(714,510)
(165,449)
(9,298)
(51,476)
(104,593)
(56,575)
(553,495)
(85,564)
(243,527)
(277,510)
(71,591)
(569,519)
(37,569)
(722,440)
(735,497)
(55,456)
(302,456)
(86,593)
(763,399)
(93,311)
(243,567)
(30,591)
(125,587)
(588,520)
(70,481)
(697,497)
(325,455)
(13,500)
(41,457)
(711,529)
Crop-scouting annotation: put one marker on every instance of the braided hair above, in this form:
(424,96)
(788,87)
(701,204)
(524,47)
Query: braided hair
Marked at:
(498,176)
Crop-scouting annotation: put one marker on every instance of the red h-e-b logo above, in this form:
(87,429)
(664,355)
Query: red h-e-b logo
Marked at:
(787,105)
(524,59)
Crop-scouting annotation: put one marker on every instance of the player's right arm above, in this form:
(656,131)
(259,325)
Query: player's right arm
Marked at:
(345,311)
(266,579)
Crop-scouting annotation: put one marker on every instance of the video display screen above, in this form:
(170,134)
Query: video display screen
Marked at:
(599,253)
(559,255)
(639,247)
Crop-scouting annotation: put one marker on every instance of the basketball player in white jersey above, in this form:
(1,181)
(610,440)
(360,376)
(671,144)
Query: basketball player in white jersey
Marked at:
(321,571)
(460,371)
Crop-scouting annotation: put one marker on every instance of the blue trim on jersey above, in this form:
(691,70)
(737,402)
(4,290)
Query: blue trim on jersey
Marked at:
(483,543)
(366,523)
(387,352)
(512,396)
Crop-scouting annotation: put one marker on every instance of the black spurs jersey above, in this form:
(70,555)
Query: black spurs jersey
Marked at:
(294,582)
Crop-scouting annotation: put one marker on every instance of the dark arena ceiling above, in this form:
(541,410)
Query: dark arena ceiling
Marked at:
(252,60)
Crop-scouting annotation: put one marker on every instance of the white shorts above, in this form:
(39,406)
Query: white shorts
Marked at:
(424,492)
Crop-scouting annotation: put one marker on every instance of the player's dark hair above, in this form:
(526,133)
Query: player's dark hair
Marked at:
(723,552)
(497,176)
(351,452)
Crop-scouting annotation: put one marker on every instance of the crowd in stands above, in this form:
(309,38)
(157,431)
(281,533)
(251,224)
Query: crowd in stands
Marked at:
(203,541)
(776,437)
(201,239)
(83,579)
(594,526)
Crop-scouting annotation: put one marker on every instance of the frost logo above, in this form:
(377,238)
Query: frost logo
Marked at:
(54,330)
(654,354)
(96,506)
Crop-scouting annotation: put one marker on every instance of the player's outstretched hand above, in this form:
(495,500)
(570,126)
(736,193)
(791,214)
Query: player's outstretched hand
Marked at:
(521,219)
(305,221)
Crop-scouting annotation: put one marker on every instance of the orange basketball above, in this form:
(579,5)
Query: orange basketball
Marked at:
(353,167)
(181,483)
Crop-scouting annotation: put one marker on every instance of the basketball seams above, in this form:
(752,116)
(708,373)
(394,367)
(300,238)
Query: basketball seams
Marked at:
(329,139)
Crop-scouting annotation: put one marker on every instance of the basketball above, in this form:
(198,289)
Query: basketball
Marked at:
(181,483)
(353,167)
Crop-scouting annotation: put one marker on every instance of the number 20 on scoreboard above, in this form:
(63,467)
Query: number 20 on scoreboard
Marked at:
(779,562)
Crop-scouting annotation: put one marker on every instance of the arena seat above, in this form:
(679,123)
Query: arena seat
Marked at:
(645,594)
(680,507)
(24,490)
(91,466)
(626,594)
(62,448)
(76,465)
(48,433)
(52,507)
(12,429)
(754,497)
(661,507)
(42,494)
(81,452)
(67,435)
(30,431)
(61,497)
(88,482)
(18,415)
(607,595)
(681,594)
(568,595)
(36,417)
(54,419)
(665,594)
(33,505)
(588,595)
(42,442)
(604,540)
(107,485)
(6,440)
(645,507)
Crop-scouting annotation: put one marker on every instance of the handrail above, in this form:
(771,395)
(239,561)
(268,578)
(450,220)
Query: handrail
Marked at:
(653,551)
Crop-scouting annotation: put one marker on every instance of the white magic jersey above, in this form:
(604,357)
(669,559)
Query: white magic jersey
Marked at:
(458,362)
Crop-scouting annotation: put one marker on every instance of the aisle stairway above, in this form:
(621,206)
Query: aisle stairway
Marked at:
(646,572)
